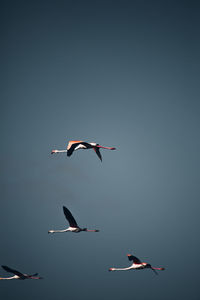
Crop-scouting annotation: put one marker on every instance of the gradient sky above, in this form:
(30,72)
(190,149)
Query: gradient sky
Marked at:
(122,74)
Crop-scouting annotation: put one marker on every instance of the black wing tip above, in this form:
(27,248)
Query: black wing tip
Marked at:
(154,271)
(69,217)
(98,153)
(3,266)
(133,258)
(70,151)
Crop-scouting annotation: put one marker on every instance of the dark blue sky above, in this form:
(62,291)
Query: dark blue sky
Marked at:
(122,74)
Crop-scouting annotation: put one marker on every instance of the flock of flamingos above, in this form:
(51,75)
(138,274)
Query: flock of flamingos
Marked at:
(73,226)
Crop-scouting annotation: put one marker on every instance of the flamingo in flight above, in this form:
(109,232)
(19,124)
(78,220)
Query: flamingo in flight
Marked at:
(19,275)
(72,222)
(137,265)
(76,145)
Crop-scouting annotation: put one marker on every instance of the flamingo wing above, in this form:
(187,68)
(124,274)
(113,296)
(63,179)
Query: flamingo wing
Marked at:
(70,148)
(98,153)
(69,217)
(13,271)
(154,271)
(149,266)
(75,145)
(134,259)
(36,274)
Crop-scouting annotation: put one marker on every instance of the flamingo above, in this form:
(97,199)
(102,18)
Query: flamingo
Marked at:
(137,265)
(72,222)
(19,275)
(75,145)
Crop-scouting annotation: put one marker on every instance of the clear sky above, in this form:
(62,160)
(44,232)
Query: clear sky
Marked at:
(123,74)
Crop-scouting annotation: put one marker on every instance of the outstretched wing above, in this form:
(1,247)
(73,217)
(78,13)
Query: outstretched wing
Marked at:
(71,146)
(69,217)
(13,271)
(36,274)
(134,259)
(154,271)
(98,153)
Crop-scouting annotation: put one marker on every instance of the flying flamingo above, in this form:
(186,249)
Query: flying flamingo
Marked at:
(72,222)
(137,265)
(75,145)
(19,275)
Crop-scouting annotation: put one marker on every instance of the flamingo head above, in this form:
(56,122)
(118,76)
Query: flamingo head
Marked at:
(111,269)
(54,151)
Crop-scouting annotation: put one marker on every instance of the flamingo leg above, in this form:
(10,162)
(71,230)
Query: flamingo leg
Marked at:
(109,148)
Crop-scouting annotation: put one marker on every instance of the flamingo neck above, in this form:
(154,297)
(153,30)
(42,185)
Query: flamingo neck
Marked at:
(109,148)
(8,278)
(56,231)
(121,269)
(60,151)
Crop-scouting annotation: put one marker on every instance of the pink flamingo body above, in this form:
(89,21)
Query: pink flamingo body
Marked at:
(76,145)
(137,265)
